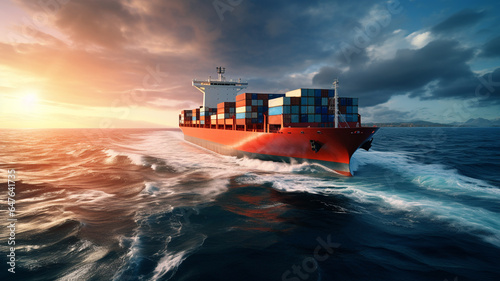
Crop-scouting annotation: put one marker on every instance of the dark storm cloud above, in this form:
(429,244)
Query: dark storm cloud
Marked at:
(458,21)
(281,36)
(264,41)
(491,48)
(443,62)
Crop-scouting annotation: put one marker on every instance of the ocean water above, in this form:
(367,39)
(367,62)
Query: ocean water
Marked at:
(143,204)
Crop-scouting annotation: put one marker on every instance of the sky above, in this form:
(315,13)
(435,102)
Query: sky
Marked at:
(127,63)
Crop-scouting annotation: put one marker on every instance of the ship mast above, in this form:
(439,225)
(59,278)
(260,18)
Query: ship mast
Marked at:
(221,70)
(336,98)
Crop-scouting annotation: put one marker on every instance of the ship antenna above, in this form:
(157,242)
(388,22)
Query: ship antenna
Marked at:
(336,98)
(221,70)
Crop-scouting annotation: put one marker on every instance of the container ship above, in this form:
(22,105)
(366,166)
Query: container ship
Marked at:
(304,125)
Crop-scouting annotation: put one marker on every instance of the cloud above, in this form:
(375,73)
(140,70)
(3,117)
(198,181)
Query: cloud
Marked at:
(420,39)
(116,52)
(442,61)
(491,49)
(384,114)
(458,21)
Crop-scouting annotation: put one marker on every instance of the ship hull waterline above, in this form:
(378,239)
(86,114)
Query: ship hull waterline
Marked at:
(328,147)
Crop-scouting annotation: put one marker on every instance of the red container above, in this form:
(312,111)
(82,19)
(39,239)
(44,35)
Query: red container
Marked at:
(241,103)
(226,104)
(295,100)
(244,96)
(275,119)
(243,121)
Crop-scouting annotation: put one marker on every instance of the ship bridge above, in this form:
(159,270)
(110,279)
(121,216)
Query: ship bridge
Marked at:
(220,90)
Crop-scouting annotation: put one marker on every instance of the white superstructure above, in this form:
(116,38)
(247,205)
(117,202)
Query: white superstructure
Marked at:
(220,90)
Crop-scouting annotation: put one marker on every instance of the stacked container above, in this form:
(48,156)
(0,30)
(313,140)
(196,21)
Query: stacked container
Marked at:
(287,108)
(225,113)
(186,117)
(311,107)
(302,106)
(251,107)
(195,116)
(205,115)
(348,107)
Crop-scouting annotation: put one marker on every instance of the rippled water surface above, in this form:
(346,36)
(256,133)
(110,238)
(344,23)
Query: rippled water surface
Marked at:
(143,204)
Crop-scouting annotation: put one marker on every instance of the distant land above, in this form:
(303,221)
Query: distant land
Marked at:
(474,122)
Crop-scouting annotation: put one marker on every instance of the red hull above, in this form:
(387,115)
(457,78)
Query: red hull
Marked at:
(334,146)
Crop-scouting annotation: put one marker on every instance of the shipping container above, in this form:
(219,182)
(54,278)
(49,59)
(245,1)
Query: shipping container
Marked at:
(275,110)
(275,119)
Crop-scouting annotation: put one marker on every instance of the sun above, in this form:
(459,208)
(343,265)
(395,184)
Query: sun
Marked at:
(29,99)
(27,102)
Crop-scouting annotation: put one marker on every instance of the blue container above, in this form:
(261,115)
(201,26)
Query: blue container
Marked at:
(310,101)
(317,92)
(324,110)
(286,100)
(349,109)
(295,118)
(286,110)
(303,118)
(324,118)
(317,109)
(317,101)
(303,101)
(324,101)
(243,115)
(331,93)
(310,92)
(331,118)
(303,109)
(276,110)
(310,118)
(317,118)
(295,109)
(254,96)
(355,109)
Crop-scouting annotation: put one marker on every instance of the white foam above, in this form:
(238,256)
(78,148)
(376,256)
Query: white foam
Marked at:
(135,158)
(89,196)
(171,260)
(462,217)
(435,177)
(272,166)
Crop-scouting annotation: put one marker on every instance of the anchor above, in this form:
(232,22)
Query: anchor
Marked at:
(315,145)
(367,145)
